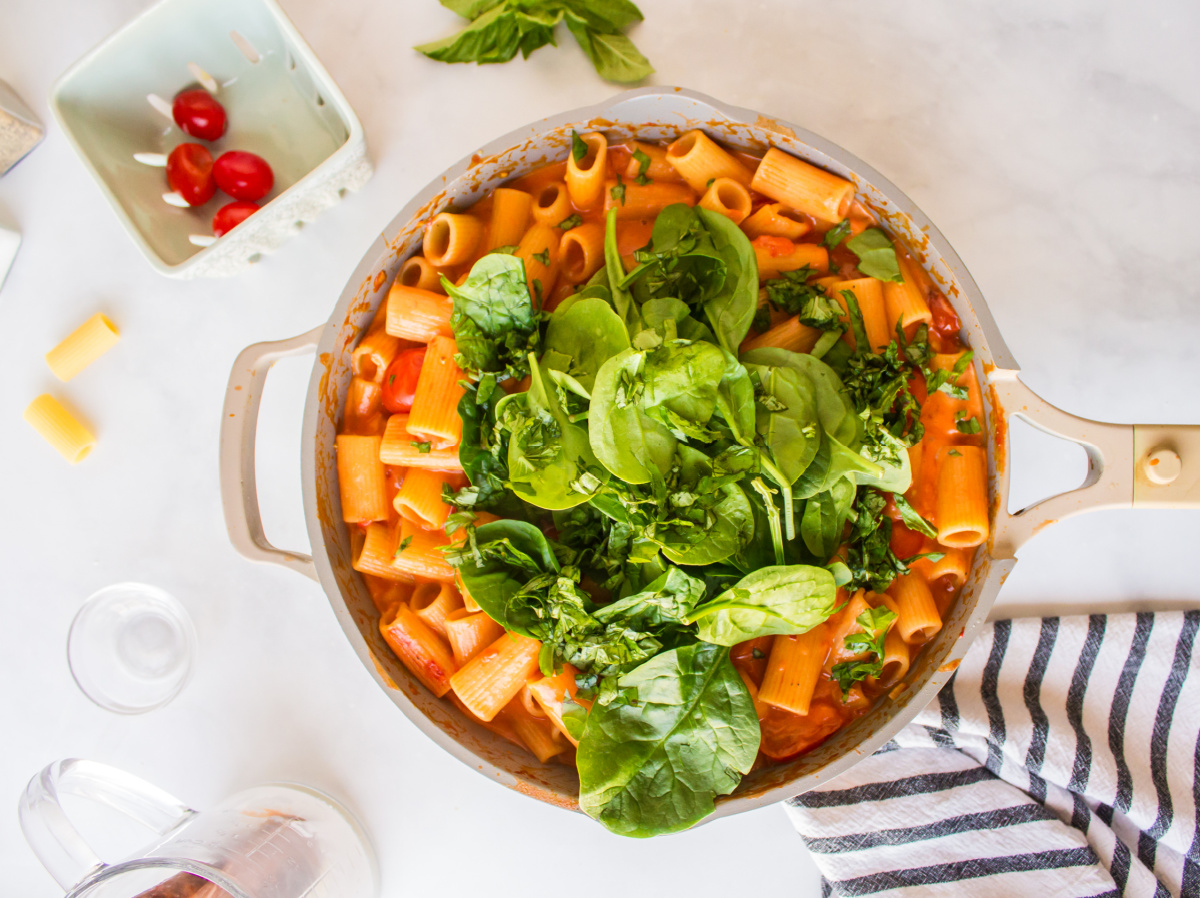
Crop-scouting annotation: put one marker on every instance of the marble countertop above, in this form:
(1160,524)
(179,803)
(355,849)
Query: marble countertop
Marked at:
(1054,143)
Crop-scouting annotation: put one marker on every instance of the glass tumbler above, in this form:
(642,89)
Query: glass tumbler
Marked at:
(278,840)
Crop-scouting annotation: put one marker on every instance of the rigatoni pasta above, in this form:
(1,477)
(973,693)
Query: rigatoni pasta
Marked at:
(434,416)
(361,478)
(82,346)
(59,428)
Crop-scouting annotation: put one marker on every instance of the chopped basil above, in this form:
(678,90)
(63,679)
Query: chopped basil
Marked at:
(572,221)
(876,255)
(875,623)
(618,192)
(643,162)
(836,234)
(543,257)
(579,147)
(966,423)
(423,448)
(404,544)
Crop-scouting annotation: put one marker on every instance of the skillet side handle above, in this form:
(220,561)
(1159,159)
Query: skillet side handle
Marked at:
(239,420)
(1110,454)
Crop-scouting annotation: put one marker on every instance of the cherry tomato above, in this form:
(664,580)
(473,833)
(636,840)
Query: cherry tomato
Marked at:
(400,380)
(231,215)
(190,173)
(199,113)
(244,176)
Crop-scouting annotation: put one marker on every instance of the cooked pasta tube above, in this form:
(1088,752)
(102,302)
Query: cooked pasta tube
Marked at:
(585,176)
(361,478)
(895,659)
(491,679)
(83,346)
(417,272)
(793,668)
(364,409)
(788,334)
(802,187)
(404,450)
(551,692)
(905,303)
(962,507)
(434,415)
(423,652)
(451,239)
(59,428)
(869,294)
(468,601)
(418,315)
(433,603)
(539,735)
(727,197)
(387,594)
(656,168)
(538,249)
(917,618)
(510,217)
(581,252)
(776,254)
(645,200)
(377,551)
(774,220)
(374,353)
(699,160)
(419,553)
(954,563)
(552,205)
(846,624)
(469,633)
(420,499)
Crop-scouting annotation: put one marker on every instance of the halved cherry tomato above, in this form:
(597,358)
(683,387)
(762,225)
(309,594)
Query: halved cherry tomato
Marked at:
(400,379)
(785,735)
(231,215)
(946,326)
(775,246)
(244,176)
(199,113)
(190,173)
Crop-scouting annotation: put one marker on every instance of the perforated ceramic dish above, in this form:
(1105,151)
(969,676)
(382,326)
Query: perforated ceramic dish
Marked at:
(281,103)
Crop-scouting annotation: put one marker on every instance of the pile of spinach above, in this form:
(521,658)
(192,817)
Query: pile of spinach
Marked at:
(667,499)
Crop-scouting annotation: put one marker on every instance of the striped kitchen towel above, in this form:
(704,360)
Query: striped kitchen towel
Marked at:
(1060,760)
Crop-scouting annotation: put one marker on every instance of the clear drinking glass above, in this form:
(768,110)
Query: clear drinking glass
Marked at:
(278,840)
(130,648)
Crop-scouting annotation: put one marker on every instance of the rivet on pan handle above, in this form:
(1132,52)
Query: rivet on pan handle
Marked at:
(1128,465)
(239,420)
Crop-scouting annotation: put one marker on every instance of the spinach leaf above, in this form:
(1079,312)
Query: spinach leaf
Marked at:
(786,419)
(614,269)
(663,603)
(494,324)
(834,408)
(876,255)
(626,440)
(657,312)
(731,311)
(735,399)
(678,731)
(547,454)
(824,519)
(702,527)
(681,382)
(483,453)
(497,562)
(777,600)
(582,337)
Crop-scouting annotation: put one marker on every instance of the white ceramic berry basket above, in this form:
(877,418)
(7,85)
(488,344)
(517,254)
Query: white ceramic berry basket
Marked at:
(1118,454)
(281,104)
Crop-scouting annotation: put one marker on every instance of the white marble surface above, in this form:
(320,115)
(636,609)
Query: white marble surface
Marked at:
(1054,142)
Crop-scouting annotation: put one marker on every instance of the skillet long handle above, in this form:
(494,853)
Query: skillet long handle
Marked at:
(239,419)
(1149,466)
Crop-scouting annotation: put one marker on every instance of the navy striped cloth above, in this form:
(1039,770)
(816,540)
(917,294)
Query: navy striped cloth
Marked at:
(1060,760)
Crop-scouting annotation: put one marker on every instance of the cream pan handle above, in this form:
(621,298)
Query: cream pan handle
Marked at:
(1129,465)
(239,420)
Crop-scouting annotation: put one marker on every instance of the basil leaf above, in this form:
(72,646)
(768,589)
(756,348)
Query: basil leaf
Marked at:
(579,147)
(655,764)
(614,55)
(495,36)
(605,15)
(876,255)
(777,600)
(618,191)
(470,9)
(965,423)
(571,221)
(912,520)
